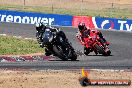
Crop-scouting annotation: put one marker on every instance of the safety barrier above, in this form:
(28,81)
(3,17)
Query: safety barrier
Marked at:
(32,18)
(103,23)
(65,20)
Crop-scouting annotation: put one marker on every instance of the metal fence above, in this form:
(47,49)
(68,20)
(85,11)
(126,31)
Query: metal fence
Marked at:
(111,8)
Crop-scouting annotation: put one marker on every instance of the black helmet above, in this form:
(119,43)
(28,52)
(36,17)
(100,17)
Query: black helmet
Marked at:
(81,26)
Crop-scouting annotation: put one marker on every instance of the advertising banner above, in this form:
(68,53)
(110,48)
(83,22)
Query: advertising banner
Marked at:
(112,23)
(83,19)
(65,20)
(32,18)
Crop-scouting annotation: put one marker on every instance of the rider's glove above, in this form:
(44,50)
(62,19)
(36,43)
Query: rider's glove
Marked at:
(83,43)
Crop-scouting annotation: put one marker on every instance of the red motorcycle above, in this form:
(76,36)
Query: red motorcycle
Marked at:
(94,43)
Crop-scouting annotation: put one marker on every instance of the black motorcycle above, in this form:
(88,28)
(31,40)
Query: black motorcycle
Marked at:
(58,46)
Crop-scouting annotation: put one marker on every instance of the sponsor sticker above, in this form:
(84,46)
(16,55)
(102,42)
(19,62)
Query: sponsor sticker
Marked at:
(85,81)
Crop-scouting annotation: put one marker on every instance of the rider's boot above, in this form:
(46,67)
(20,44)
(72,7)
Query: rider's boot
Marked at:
(47,52)
(104,41)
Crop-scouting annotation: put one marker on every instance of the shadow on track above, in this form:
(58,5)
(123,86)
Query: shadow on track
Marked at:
(64,61)
(99,55)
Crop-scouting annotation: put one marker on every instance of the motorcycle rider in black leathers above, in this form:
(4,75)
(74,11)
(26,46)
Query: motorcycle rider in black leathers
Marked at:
(40,27)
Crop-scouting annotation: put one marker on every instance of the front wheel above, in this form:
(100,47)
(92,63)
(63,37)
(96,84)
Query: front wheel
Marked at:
(100,49)
(59,52)
(74,56)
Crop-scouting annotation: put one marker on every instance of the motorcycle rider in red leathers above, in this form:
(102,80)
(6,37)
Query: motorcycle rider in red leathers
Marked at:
(81,33)
(81,29)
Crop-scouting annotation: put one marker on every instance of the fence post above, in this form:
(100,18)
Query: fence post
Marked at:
(111,9)
(24,3)
(81,7)
(52,8)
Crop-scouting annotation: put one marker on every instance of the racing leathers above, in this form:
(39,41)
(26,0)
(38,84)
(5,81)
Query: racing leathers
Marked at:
(41,30)
(81,34)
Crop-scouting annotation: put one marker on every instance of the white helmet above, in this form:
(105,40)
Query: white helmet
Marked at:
(38,24)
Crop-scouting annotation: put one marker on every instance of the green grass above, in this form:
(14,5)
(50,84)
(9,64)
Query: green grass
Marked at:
(107,12)
(16,46)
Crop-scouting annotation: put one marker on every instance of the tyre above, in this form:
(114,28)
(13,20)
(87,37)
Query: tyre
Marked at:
(86,51)
(100,49)
(59,52)
(74,56)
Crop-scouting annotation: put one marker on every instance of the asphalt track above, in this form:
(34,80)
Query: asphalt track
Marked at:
(121,57)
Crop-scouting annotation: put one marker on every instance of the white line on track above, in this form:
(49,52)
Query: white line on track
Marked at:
(20,37)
